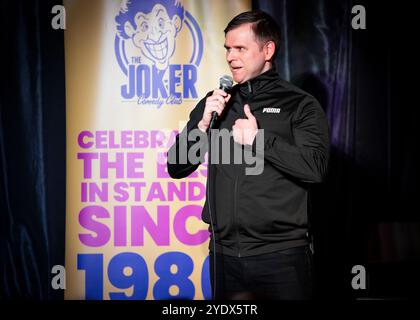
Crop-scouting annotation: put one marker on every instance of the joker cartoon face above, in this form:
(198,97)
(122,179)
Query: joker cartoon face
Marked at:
(155,34)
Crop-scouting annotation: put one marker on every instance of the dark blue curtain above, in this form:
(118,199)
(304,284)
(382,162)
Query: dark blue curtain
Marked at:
(361,214)
(365,213)
(32,149)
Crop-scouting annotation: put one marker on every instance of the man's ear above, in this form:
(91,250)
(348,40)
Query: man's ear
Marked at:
(176,20)
(269,49)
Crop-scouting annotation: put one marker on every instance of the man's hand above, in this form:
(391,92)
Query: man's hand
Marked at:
(245,130)
(216,102)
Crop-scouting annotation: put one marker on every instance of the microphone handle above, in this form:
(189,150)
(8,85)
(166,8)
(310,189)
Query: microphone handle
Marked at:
(213,120)
(214,115)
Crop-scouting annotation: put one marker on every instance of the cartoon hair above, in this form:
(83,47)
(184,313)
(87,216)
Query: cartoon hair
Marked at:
(132,7)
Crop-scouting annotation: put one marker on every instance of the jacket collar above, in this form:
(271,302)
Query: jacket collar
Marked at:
(258,84)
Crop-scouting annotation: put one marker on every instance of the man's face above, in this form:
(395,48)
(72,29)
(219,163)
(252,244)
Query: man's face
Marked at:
(245,54)
(155,35)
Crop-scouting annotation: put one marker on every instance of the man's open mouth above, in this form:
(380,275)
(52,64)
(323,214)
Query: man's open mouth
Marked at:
(157,50)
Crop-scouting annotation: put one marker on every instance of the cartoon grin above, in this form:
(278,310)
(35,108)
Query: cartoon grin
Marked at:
(157,50)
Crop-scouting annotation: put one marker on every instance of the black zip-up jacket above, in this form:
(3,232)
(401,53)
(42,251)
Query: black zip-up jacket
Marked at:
(256,214)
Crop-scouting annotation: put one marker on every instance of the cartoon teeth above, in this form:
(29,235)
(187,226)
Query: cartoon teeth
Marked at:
(157,50)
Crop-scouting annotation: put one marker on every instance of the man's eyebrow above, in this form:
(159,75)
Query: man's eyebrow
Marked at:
(235,47)
(158,12)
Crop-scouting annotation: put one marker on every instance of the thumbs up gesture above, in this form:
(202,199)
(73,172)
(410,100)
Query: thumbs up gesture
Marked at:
(245,130)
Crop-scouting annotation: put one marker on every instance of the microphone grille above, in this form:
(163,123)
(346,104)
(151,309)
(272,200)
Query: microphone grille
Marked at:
(226,82)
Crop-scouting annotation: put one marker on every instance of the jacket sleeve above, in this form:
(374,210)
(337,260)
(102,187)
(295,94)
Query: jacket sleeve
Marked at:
(190,141)
(306,157)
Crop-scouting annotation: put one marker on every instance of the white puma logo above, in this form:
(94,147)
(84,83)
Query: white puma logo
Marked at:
(271,110)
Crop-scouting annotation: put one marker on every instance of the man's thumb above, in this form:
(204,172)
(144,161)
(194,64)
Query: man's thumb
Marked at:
(247,111)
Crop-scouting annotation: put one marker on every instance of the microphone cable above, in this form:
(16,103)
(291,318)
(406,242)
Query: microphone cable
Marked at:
(208,186)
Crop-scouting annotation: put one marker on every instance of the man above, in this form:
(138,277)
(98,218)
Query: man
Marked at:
(259,246)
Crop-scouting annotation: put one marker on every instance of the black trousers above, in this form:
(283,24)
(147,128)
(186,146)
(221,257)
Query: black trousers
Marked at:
(281,275)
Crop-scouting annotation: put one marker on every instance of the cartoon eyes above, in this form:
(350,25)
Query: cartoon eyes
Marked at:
(161,23)
(144,26)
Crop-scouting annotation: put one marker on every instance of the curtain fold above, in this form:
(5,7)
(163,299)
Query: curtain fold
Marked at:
(32,146)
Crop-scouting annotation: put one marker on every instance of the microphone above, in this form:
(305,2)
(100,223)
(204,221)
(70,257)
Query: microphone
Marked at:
(225,83)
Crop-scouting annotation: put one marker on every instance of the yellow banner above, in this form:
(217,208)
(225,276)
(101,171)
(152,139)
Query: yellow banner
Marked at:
(134,71)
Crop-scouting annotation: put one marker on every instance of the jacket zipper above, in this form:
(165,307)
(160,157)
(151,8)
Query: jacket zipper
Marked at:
(236,195)
(234,216)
